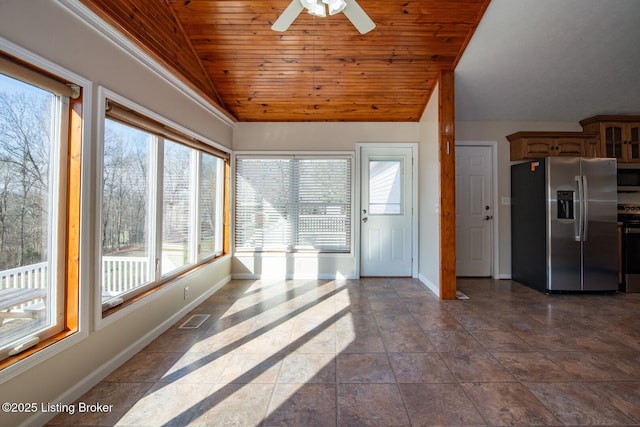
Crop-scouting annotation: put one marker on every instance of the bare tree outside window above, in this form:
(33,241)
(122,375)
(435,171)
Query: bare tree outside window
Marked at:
(24,176)
(126,262)
(29,158)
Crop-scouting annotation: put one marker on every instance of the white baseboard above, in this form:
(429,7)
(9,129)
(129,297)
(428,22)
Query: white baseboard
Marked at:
(103,371)
(429,285)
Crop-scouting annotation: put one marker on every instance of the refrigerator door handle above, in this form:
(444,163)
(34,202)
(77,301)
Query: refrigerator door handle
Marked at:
(585,203)
(579,202)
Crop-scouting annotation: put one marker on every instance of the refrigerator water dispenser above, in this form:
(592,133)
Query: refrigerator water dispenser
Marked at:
(565,204)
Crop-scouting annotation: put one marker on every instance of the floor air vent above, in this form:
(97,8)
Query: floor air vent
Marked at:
(194,321)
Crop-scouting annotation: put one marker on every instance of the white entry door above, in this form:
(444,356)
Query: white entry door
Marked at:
(386,211)
(474,211)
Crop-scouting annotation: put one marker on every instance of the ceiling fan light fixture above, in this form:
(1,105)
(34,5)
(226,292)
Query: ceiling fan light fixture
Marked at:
(317,9)
(335,6)
(308,4)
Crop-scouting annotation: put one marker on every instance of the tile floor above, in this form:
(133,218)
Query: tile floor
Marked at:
(384,352)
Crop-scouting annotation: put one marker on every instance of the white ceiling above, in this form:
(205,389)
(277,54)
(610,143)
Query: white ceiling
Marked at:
(551,60)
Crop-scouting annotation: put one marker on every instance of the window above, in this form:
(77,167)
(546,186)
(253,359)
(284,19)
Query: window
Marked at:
(385,187)
(210,204)
(154,223)
(38,207)
(293,203)
(127,252)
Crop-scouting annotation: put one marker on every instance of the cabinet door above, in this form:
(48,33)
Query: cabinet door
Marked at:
(568,147)
(612,140)
(537,148)
(592,148)
(632,143)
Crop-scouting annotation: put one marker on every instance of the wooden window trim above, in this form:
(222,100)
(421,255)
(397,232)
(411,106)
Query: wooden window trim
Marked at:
(71,285)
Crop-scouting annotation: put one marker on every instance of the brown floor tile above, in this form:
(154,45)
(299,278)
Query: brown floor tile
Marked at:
(371,405)
(174,341)
(388,304)
(383,351)
(303,368)
(406,341)
(313,342)
(227,405)
(245,368)
(166,405)
(501,341)
(359,342)
(588,366)
(622,395)
(364,368)
(476,367)
(574,403)
(196,368)
(532,366)
(420,368)
(437,321)
(356,322)
(403,321)
(272,342)
(454,341)
(508,404)
(145,367)
(121,395)
(303,405)
(439,405)
(224,341)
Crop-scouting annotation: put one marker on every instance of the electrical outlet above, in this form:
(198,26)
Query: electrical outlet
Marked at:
(186,292)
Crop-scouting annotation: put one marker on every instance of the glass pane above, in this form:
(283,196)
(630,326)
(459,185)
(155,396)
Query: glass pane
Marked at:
(263,204)
(293,204)
(125,205)
(210,206)
(385,187)
(29,129)
(324,209)
(176,207)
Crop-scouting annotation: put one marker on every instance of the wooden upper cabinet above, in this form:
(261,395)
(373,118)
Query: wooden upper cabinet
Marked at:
(536,145)
(618,136)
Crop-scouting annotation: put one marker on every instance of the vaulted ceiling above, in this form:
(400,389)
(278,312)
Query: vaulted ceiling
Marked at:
(320,69)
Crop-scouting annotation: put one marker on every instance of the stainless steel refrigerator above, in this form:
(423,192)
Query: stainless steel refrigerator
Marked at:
(564,224)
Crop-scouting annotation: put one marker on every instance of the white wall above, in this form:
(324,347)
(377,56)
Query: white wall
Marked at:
(331,136)
(48,30)
(497,131)
(429,190)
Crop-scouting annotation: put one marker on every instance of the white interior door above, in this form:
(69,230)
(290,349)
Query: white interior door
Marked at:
(386,211)
(474,211)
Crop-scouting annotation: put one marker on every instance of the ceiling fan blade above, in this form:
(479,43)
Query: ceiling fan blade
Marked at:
(358,17)
(288,16)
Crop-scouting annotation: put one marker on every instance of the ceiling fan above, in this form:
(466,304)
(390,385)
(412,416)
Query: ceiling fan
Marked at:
(350,8)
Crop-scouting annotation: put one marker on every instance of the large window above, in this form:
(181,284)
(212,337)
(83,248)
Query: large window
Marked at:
(35,115)
(162,204)
(293,203)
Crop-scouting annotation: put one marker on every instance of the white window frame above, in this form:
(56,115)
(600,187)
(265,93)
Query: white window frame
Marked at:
(155,201)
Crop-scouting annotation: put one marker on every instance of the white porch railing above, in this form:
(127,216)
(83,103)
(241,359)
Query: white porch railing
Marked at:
(119,274)
(122,273)
(28,276)
(32,276)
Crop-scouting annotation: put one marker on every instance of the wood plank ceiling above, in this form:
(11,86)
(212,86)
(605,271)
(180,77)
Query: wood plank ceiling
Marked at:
(320,69)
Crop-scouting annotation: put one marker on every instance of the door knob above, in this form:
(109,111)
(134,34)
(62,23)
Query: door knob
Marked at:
(365,219)
(488,217)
